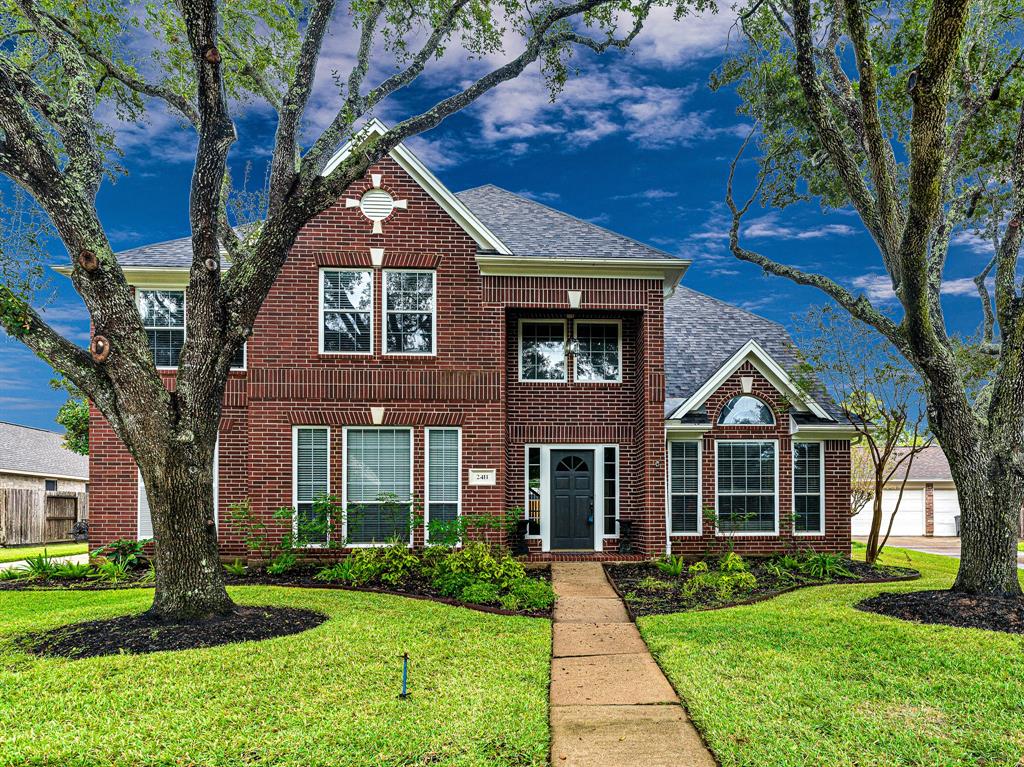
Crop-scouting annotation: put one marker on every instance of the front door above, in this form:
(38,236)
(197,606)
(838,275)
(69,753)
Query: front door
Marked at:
(572,499)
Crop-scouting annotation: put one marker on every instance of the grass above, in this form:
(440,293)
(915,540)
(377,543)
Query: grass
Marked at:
(1020,545)
(328,696)
(804,679)
(53,549)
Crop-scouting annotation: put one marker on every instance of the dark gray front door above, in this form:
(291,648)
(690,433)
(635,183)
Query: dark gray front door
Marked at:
(572,499)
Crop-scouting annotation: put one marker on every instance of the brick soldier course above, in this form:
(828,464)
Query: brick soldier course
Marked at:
(554,267)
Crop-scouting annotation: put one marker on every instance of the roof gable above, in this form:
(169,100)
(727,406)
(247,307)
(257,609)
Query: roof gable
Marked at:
(27,450)
(485,239)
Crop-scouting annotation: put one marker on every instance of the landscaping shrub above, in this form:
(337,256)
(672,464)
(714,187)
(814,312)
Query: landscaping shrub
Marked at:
(481,593)
(452,584)
(124,550)
(389,565)
(282,563)
(111,571)
(13,574)
(528,594)
(72,570)
(40,566)
(698,567)
(483,563)
(824,566)
(732,563)
(653,584)
(339,572)
(721,586)
(671,565)
(236,568)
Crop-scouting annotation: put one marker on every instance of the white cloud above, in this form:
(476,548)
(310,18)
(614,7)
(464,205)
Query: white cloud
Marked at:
(877,287)
(768,227)
(962,286)
(668,42)
(973,242)
(647,194)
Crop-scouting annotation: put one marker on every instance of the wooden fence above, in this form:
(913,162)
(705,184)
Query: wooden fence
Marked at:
(35,516)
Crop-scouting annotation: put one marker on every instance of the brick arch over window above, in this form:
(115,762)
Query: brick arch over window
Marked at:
(746,410)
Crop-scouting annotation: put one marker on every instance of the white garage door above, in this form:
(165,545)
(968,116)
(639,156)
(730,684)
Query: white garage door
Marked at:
(947,506)
(909,517)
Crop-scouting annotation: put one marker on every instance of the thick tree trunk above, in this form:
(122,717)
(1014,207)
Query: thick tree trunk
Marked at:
(189,576)
(990,498)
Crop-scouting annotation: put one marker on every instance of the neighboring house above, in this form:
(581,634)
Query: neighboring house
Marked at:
(479,352)
(40,480)
(929,505)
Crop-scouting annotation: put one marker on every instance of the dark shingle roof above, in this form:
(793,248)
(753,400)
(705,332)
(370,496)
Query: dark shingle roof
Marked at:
(531,229)
(702,333)
(37,451)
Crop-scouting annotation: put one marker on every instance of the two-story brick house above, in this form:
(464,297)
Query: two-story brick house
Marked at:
(480,352)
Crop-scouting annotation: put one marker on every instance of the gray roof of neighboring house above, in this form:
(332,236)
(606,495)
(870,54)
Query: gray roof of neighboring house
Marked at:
(702,333)
(529,228)
(930,463)
(173,254)
(24,449)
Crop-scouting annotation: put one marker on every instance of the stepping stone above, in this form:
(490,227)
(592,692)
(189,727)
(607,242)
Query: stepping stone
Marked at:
(626,736)
(609,680)
(590,610)
(573,639)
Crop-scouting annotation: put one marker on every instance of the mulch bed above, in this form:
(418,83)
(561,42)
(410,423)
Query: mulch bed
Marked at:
(949,608)
(669,596)
(140,634)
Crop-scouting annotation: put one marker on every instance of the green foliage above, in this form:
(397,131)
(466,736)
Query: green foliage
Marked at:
(453,532)
(341,571)
(253,529)
(149,574)
(731,562)
(73,416)
(40,566)
(126,551)
(13,574)
(481,593)
(451,584)
(236,568)
(482,562)
(531,594)
(72,571)
(282,563)
(111,571)
(650,583)
(671,565)
(822,566)
(698,567)
(720,586)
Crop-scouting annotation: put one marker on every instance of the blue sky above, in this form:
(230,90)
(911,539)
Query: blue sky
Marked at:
(636,143)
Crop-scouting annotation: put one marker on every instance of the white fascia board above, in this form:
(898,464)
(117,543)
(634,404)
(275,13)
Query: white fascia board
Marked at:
(692,429)
(668,270)
(753,352)
(149,276)
(410,163)
(44,475)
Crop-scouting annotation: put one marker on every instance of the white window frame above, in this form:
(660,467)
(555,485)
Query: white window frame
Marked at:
(565,340)
(618,492)
(700,490)
(746,533)
(295,479)
(526,485)
(56,485)
(184,317)
(821,488)
(321,310)
(575,355)
(384,312)
(426,475)
(344,480)
(771,412)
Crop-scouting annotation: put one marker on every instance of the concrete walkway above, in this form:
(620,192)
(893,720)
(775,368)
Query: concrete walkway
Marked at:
(610,703)
(79,558)
(946,547)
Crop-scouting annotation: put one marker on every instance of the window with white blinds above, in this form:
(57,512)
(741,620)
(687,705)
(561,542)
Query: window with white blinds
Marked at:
(684,490)
(163,317)
(312,478)
(807,488)
(378,484)
(443,475)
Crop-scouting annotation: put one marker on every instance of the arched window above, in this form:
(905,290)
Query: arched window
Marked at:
(746,411)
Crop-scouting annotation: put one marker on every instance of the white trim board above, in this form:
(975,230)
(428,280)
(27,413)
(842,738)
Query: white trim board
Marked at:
(752,352)
(452,205)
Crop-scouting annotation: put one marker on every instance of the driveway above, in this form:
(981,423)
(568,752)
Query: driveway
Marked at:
(947,547)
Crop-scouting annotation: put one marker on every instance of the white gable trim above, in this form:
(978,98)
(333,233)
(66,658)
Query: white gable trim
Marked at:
(752,352)
(452,205)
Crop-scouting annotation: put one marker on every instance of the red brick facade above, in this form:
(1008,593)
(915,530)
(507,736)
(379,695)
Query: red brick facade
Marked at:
(472,382)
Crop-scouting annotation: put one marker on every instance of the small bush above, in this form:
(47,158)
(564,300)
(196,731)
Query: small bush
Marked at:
(236,568)
(671,565)
(13,574)
(339,572)
(483,563)
(149,576)
(788,562)
(772,567)
(72,571)
(126,551)
(698,567)
(481,593)
(732,563)
(529,594)
(110,571)
(282,563)
(452,584)
(390,565)
(721,586)
(823,566)
(40,566)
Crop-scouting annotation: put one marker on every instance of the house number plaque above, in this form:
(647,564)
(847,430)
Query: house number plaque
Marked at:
(483,476)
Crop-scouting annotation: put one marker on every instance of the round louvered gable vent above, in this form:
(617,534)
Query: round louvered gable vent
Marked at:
(376,204)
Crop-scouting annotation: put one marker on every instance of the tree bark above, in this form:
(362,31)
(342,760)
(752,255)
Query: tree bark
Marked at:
(189,576)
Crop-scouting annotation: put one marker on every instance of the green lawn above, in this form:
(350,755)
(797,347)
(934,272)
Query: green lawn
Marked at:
(324,697)
(1020,546)
(804,679)
(53,549)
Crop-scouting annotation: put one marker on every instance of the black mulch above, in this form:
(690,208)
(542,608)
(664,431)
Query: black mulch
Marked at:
(646,590)
(949,608)
(140,634)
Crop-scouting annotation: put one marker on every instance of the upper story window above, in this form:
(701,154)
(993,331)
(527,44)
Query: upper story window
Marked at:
(598,350)
(163,318)
(346,307)
(542,350)
(409,312)
(746,411)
